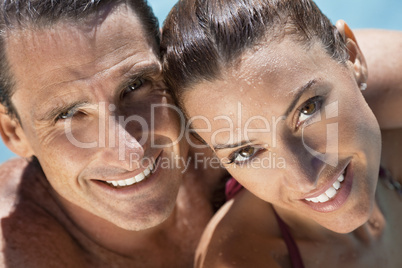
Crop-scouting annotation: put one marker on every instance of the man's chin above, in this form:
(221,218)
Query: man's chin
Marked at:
(139,222)
(137,214)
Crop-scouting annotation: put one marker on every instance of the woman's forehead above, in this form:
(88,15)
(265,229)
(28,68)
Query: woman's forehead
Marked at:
(279,59)
(267,75)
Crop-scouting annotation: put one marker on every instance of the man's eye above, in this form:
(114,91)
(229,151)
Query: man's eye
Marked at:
(66,115)
(308,110)
(137,84)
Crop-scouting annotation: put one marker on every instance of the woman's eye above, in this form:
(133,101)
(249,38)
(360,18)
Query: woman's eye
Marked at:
(308,110)
(243,155)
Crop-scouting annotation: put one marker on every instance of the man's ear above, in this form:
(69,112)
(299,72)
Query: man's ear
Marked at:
(355,54)
(13,135)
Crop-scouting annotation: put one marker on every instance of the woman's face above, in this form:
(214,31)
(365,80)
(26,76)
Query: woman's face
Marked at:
(290,124)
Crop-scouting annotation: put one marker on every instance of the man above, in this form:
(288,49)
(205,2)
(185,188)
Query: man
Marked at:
(80,90)
(78,81)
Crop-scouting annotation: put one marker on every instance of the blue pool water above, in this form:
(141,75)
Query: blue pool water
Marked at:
(357,13)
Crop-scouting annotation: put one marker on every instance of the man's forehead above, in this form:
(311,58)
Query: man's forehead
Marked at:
(93,38)
(119,37)
(68,58)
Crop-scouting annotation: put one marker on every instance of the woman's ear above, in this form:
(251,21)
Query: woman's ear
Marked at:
(356,57)
(13,135)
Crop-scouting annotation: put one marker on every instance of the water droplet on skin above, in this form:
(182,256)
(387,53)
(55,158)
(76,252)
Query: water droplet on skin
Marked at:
(274,254)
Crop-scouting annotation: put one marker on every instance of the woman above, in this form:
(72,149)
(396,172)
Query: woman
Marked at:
(275,90)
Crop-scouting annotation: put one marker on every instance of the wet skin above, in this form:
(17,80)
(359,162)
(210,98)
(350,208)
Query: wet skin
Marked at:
(266,83)
(356,228)
(74,73)
(84,96)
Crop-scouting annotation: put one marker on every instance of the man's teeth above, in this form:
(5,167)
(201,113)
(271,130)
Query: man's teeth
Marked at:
(140,177)
(330,193)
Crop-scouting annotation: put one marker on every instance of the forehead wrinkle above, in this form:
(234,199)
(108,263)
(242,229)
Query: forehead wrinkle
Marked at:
(58,99)
(117,70)
(61,35)
(91,92)
(74,69)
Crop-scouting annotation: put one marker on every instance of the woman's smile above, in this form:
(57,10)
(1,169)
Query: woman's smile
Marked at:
(331,198)
(316,104)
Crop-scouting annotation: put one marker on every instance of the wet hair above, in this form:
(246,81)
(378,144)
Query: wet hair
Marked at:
(201,38)
(36,14)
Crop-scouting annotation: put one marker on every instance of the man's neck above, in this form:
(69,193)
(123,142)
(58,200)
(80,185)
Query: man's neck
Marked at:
(95,233)
(180,232)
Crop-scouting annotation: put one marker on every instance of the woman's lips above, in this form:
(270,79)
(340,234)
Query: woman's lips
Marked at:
(329,193)
(331,198)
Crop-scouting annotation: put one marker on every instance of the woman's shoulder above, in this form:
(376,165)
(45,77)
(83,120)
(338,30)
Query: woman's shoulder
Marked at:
(384,61)
(243,233)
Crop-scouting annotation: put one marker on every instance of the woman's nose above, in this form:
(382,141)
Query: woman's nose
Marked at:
(303,169)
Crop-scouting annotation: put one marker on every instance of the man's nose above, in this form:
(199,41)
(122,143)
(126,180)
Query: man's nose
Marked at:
(124,143)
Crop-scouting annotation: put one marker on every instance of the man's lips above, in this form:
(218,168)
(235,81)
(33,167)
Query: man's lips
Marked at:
(138,178)
(133,179)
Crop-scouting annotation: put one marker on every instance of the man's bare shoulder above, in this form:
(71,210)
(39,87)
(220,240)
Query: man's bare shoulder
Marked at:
(18,184)
(11,173)
(241,234)
(31,236)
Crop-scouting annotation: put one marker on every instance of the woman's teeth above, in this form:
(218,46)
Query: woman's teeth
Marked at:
(330,193)
(140,177)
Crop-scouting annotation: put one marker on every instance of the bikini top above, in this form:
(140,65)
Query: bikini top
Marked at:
(233,188)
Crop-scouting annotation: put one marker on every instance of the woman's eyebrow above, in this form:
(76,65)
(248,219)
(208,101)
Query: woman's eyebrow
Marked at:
(231,146)
(299,92)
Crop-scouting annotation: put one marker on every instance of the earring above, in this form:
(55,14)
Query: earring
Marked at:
(363,86)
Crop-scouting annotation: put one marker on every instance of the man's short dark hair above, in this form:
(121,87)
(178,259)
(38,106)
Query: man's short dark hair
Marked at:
(31,14)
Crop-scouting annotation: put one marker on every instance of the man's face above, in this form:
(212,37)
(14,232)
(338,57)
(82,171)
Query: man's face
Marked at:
(85,97)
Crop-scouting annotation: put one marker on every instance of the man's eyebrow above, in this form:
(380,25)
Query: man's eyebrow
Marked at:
(299,93)
(231,146)
(148,69)
(54,112)
(130,74)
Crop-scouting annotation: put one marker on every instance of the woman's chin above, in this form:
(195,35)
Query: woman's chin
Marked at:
(348,223)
